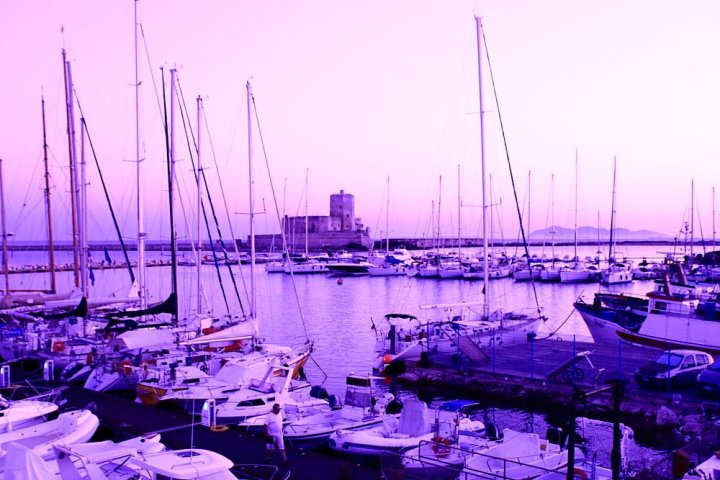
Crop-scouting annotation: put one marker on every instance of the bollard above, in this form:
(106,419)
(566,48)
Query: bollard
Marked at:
(49,370)
(207,416)
(5,376)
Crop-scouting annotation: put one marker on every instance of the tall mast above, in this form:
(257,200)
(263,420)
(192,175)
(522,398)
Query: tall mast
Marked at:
(51,245)
(528,215)
(692,221)
(251,190)
(82,214)
(611,258)
(458,219)
(552,218)
(306,212)
(198,232)
(575,255)
(138,175)
(387,219)
(171,190)
(4,238)
(486,306)
(437,246)
(71,157)
(713,224)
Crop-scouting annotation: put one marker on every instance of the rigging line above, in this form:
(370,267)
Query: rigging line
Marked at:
(215,217)
(320,368)
(183,110)
(105,190)
(152,77)
(554,332)
(277,213)
(224,197)
(512,177)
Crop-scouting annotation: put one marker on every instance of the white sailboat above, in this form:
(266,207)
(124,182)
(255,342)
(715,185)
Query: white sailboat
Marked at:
(469,331)
(577,272)
(616,272)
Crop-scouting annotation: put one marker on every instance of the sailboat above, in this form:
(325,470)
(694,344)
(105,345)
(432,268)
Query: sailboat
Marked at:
(616,272)
(305,264)
(477,329)
(577,272)
(389,263)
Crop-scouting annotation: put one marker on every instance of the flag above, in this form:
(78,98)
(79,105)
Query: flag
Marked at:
(107,257)
(92,276)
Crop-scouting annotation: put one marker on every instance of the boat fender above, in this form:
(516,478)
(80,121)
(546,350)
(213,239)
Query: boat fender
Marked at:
(58,346)
(441,446)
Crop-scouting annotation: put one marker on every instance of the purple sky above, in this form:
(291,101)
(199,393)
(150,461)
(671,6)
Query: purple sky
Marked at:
(356,92)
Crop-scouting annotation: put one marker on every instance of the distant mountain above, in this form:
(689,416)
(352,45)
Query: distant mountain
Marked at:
(591,234)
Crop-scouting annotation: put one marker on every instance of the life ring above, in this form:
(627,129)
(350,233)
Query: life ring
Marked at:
(441,447)
(125,367)
(58,346)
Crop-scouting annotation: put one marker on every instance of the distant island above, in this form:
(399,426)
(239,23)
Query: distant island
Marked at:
(595,235)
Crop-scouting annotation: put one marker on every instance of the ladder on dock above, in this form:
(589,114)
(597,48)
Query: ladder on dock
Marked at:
(471,350)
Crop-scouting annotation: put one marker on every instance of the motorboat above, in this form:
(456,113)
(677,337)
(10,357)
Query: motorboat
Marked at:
(415,424)
(259,396)
(519,455)
(190,387)
(196,464)
(454,438)
(76,426)
(364,406)
(15,414)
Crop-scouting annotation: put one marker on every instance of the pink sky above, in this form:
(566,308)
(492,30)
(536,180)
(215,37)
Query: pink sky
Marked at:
(356,92)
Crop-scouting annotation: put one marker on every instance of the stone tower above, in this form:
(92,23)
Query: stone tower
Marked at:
(342,211)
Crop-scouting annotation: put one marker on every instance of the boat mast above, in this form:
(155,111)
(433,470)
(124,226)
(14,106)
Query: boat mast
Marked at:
(575,254)
(71,157)
(82,214)
(458,221)
(387,219)
(307,170)
(713,224)
(528,215)
(6,273)
(138,175)
(552,218)
(692,222)
(198,248)
(611,258)
(437,248)
(251,191)
(171,191)
(51,245)
(486,306)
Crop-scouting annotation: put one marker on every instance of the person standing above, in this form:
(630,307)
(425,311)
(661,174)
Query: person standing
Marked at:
(274,434)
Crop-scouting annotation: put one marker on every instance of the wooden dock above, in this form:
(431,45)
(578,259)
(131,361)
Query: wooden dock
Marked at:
(547,374)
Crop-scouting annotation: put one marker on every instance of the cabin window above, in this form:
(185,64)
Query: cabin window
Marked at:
(251,403)
(661,306)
